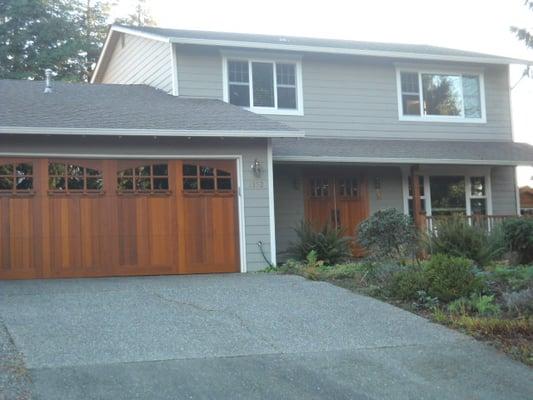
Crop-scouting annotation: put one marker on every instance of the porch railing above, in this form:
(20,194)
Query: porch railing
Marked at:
(486,222)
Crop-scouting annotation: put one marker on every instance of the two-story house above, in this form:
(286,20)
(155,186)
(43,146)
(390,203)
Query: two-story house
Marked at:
(200,151)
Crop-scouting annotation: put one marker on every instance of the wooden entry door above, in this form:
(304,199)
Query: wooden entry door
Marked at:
(338,198)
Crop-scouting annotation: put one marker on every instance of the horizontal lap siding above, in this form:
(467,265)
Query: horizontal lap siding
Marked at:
(140,61)
(353,97)
(255,190)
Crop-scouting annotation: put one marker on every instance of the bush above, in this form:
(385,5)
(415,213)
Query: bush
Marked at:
(520,302)
(449,278)
(330,245)
(388,234)
(407,284)
(456,237)
(518,234)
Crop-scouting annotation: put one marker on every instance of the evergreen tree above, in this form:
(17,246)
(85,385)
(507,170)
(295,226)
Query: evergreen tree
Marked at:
(522,33)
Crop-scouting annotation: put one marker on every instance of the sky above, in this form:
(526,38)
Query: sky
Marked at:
(477,25)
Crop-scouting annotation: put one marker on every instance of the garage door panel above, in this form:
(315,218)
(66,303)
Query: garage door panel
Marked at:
(68,230)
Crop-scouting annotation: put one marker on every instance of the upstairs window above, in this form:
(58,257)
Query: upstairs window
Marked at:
(16,178)
(264,86)
(441,97)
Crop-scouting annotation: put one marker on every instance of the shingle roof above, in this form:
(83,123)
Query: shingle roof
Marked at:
(23,104)
(292,42)
(402,151)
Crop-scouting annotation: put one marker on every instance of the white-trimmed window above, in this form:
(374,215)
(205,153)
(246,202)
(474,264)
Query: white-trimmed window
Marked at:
(264,86)
(440,96)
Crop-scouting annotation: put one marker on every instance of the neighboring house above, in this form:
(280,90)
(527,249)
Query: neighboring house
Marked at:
(526,200)
(125,179)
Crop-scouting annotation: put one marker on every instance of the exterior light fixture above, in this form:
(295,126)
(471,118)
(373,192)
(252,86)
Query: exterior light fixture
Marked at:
(256,168)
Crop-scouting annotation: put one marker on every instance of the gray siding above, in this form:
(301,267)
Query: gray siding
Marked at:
(391,193)
(354,97)
(503,185)
(137,60)
(255,190)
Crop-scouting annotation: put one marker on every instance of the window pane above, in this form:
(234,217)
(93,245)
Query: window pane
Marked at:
(75,183)
(160,169)
(92,172)
(125,184)
(95,184)
(410,104)
(221,172)
(6,183)
(471,96)
(190,170)
(410,82)
(239,95)
(263,84)
(287,98)
(24,169)
(207,184)
(24,183)
(56,169)
(56,183)
(477,184)
(143,171)
(75,170)
(286,74)
(442,94)
(143,184)
(447,195)
(478,206)
(207,171)
(238,71)
(6,169)
(190,184)
(223,184)
(160,183)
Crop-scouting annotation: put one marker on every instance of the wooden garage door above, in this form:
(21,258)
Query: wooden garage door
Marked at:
(77,218)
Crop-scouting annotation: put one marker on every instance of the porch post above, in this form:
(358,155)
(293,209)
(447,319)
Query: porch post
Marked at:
(415,188)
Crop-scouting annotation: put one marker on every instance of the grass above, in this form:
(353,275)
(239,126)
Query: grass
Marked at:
(511,333)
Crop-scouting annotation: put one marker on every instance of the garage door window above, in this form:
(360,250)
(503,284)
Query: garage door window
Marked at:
(206,179)
(145,179)
(74,179)
(16,178)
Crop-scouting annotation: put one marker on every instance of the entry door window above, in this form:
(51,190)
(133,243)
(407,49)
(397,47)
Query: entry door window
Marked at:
(320,187)
(447,195)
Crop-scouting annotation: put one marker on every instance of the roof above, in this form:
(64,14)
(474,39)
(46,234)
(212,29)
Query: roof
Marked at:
(402,151)
(305,44)
(107,109)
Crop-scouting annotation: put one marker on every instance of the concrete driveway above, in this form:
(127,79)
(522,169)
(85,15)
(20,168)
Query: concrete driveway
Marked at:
(250,336)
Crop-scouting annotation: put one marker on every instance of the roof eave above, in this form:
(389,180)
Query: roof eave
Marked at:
(391,160)
(23,130)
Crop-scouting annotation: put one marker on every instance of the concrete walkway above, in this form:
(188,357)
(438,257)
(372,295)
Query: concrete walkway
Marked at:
(248,336)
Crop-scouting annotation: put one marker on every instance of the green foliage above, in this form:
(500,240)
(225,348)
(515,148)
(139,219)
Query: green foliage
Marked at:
(518,233)
(449,278)
(456,237)
(407,284)
(388,234)
(520,302)
(522,33)
(330,245)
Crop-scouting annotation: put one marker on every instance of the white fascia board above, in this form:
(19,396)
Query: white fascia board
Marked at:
(147,132)
(135,32)
(103,52)
(357,52)
(374,160)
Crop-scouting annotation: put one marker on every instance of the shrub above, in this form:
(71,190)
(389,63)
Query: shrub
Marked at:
(449,278)
(388,234)
(408,284)
(330,245)
(518,234)
(456,237)
(484,305)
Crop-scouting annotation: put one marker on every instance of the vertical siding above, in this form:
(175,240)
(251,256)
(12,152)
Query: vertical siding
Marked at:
(140,61)
(354,96)
(503,183)
(254,191)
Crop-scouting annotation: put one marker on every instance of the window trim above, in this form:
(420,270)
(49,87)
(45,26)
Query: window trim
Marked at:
(299,110)
(14,192)
(440,118)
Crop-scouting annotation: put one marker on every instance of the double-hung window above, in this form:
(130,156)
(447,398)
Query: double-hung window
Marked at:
(268,87)
(441,96)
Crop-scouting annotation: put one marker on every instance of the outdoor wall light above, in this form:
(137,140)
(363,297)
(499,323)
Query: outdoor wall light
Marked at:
(256,168)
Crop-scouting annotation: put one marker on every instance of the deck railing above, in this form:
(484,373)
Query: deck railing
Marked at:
(486,222)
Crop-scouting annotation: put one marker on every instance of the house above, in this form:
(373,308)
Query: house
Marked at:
(196,152)
(526,200)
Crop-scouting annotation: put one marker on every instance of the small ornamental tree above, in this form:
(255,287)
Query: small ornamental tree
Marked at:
(388,234)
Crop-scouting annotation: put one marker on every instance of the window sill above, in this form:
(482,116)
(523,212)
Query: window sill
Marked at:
(274,111)
(151,194)
(443,119)
(69,193)
(17,194)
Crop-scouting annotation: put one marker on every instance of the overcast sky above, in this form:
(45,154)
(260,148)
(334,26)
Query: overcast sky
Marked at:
(478,25)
